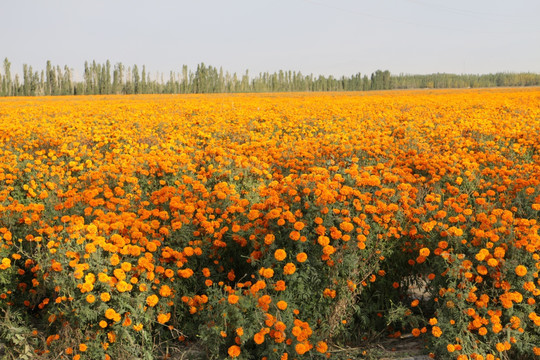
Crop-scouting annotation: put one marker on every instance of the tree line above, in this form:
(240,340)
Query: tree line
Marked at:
(101,79)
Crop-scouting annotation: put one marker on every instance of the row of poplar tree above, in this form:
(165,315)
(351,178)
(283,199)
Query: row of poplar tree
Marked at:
(119,79)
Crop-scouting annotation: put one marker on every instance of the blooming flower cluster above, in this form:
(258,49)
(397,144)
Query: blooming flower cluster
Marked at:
(266,225)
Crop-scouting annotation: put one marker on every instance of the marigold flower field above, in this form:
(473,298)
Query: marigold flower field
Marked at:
(270,226)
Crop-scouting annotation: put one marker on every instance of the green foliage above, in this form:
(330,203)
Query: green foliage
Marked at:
(98,80)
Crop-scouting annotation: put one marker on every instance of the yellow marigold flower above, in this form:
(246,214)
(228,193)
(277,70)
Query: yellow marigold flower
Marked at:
(102,277)
(122,286)
(92,229)
(115,260)
(110,313)
(152,300)
(119,274)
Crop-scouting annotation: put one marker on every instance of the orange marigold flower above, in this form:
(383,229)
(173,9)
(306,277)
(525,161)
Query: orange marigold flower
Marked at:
(322,347)
(301,348)
(294,235)
(165,291)
(282,305)
(424,252)
(267,273)
(280,326)
(280,285)
(329,250)
(346,226)
(163,318)
(280,254)
(258,338)
(234,351)
(289,269)
(301,257)
(56,266)
(521,270)
(299,225)
(269,239)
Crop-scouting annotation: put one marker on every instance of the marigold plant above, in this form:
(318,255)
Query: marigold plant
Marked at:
(270,225)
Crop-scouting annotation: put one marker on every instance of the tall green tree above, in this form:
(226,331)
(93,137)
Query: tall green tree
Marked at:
(136,80)
(6,81)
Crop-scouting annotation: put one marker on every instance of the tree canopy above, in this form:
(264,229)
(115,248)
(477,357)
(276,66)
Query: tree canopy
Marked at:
(102,79)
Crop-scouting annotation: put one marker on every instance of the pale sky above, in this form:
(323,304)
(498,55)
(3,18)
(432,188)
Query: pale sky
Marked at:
(327,37)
